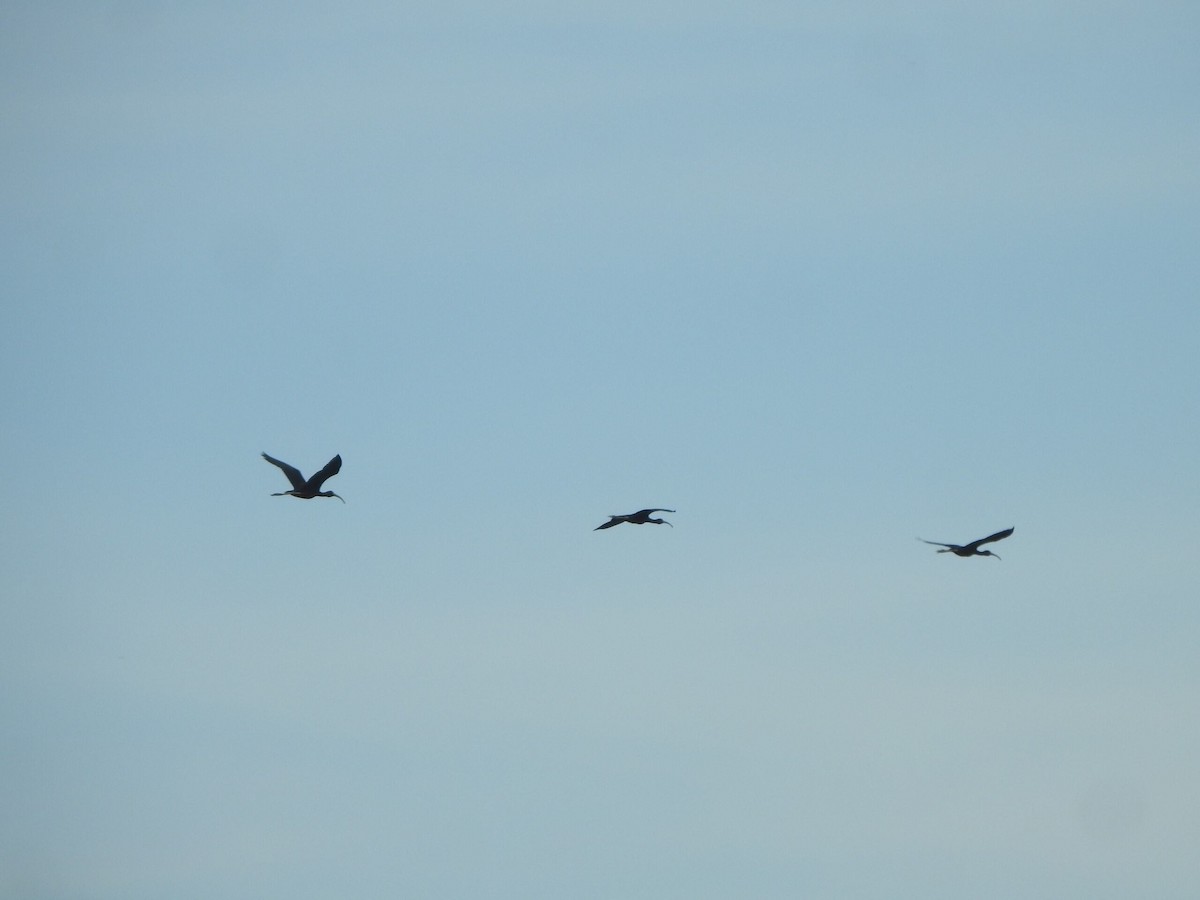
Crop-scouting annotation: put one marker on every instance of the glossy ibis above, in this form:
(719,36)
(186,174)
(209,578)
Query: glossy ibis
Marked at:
(306,490)
(972,549)
(641,517)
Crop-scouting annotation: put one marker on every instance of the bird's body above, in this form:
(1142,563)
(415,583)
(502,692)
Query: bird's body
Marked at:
(641,517)
(306,489)
(971,549)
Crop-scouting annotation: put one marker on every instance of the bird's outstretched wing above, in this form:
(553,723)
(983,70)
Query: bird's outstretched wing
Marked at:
(292,473)
(646,512)
(612,520)
(998,536)
(331,468)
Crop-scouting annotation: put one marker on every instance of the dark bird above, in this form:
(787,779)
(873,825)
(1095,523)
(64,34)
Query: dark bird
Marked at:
(306,490)
(641,517)
(972,549)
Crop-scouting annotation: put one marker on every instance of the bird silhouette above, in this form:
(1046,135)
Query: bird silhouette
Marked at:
(972,549)
(641,517)
(306,490)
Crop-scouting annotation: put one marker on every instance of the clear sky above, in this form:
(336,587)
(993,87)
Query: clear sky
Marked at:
(824,278)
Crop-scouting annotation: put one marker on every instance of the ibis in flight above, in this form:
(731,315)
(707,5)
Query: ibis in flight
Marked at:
(972,549)
(303,489)
(641,517)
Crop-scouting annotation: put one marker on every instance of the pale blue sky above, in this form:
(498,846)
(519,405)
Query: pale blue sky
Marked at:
(823,278)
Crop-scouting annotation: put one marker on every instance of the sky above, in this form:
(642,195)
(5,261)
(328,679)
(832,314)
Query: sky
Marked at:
(824,278)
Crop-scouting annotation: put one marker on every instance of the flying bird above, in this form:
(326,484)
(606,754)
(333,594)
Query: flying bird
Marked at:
(306,490)
(641,517)
(972,549)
